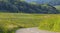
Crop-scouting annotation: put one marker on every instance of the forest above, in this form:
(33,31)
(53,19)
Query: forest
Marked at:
(18,6)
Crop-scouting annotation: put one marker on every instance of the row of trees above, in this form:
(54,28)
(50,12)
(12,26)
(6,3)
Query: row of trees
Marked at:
(22,6)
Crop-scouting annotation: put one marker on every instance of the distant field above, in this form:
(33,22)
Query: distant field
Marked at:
(9,22)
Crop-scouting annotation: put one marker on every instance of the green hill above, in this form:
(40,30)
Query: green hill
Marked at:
(17,6)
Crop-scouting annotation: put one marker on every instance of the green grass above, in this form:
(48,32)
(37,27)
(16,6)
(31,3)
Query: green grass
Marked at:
(10,22)
(51,23)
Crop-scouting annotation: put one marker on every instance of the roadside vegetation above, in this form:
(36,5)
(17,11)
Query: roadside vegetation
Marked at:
(51,23)
(10,22)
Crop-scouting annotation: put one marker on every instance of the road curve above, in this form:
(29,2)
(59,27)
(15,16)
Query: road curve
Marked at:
(33,30)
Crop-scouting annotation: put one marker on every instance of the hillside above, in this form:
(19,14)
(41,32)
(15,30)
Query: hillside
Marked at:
(17,6)
(51,2)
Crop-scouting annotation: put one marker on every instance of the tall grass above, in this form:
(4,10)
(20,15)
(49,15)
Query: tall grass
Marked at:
(51,23)
(10,22)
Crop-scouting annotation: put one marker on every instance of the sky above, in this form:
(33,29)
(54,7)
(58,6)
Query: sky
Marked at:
(30,0)
(38,1)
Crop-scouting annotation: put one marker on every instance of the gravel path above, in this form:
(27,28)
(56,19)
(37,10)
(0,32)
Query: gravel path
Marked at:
(33,30)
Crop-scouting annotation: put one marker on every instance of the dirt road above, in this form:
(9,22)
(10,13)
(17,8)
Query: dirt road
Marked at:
(33,30)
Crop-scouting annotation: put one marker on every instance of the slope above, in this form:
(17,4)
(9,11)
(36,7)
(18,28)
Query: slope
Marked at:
(17,6)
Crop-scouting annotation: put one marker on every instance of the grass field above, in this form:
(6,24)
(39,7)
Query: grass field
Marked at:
(9,22)
(51,23)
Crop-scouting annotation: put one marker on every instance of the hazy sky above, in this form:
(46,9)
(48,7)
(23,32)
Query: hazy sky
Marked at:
(30,0)
(38,1)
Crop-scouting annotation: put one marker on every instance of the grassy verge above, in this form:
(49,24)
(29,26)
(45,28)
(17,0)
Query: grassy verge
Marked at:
(10,22)
(51,23)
